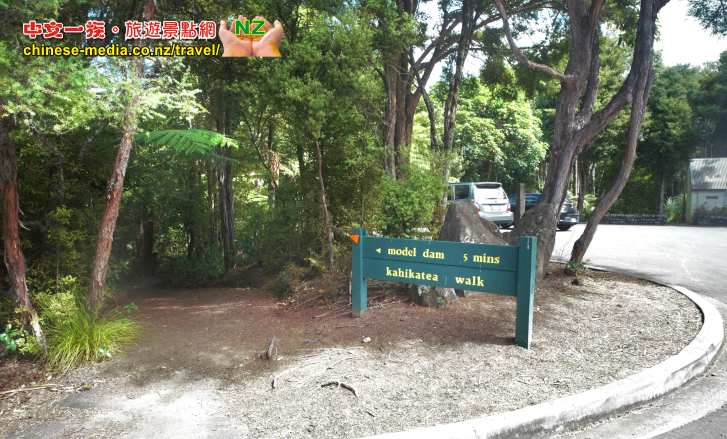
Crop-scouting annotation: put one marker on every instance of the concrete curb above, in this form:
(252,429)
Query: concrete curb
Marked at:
(554,415)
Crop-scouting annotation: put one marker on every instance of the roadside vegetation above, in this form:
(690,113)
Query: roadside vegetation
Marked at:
(269,164)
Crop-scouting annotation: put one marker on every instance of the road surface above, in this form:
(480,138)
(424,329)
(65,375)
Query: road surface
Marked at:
(694,257)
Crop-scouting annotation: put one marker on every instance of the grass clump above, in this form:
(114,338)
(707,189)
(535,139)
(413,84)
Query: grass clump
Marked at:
(75,335)
(81,338)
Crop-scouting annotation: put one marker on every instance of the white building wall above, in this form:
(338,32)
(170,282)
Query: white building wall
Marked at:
(707,200)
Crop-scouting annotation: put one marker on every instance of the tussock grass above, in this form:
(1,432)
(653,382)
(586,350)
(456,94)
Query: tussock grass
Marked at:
(80,337)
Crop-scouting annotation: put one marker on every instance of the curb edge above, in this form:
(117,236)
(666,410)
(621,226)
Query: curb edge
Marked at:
(553,415)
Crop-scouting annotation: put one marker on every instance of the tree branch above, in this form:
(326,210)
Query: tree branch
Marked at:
(641,62)
(519,53)
(434,144)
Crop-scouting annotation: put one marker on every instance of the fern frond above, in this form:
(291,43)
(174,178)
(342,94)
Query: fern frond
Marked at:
(193,141)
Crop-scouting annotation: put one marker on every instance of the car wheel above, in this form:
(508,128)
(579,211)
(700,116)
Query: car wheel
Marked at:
(564,228)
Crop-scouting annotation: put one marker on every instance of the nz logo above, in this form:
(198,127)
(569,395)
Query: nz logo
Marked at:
(249,28)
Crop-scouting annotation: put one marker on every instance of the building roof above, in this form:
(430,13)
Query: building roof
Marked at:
(708,174)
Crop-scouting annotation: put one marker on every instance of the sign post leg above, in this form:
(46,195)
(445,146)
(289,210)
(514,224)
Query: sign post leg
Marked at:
(527,252)
(359,285)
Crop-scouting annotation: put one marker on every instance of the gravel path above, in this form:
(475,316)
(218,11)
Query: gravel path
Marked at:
(409,374)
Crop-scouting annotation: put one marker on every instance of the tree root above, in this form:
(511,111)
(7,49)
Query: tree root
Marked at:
(340,384)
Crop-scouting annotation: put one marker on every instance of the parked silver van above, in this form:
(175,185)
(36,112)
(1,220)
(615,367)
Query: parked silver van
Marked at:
(489,197)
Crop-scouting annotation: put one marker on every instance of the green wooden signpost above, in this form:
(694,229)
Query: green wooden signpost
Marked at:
(499,269)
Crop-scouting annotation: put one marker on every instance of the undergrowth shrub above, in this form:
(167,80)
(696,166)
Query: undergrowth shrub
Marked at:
(409,203)
(73,334)
(275,236)
(287,281)
(675,209)
(589,204)
(81,337)
(182,271)
(15,337)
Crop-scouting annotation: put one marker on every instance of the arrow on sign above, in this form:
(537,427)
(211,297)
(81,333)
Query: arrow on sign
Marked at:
(378,250)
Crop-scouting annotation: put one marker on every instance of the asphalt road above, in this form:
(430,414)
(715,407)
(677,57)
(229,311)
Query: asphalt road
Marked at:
(694,257)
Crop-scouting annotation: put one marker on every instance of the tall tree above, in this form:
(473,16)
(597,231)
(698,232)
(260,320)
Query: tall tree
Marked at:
(13,253)
(410,51)
(34,100)
(576,122)
(470,13)
(669,134)
(711,109)
(114,191)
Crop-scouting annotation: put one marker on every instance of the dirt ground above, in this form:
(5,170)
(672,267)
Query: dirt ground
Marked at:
(196,373)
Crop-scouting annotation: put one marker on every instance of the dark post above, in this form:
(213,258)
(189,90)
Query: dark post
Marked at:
(527,251)
(520,209)
(359,285)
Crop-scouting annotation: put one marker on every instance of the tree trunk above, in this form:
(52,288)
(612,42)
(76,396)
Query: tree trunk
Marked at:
(390,118)
(14,258)
(662,189)
(114,191)
(576,125)
(327,226)
(227,216)
(638,107)
(211,201)
(145,248)
(273,159)
(399,116)
(115,188)
(452,100)
(399,72)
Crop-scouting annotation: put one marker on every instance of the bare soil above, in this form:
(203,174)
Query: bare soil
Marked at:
(196,373)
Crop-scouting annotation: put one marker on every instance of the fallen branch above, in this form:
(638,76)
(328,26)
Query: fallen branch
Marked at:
(340,384)
(30,389)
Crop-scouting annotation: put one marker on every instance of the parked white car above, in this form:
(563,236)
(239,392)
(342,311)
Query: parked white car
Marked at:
(489,197)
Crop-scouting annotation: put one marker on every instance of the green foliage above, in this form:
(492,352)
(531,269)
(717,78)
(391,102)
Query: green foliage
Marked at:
(7,309)
(75,336)
(711,109)
(286,282)
(711,13)
(81,337)
(183,271)
(55,304)
(498,135)
(675,209)
(14,335)
(193,142)
(589,203)
(272,235)
(16,339)
(574,267)
(409,203)
(264,120)
(8,339)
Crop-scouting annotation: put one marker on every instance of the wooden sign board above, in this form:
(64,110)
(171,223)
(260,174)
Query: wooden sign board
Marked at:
(499,269)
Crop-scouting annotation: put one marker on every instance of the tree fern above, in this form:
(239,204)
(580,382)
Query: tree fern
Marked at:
(193,141)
